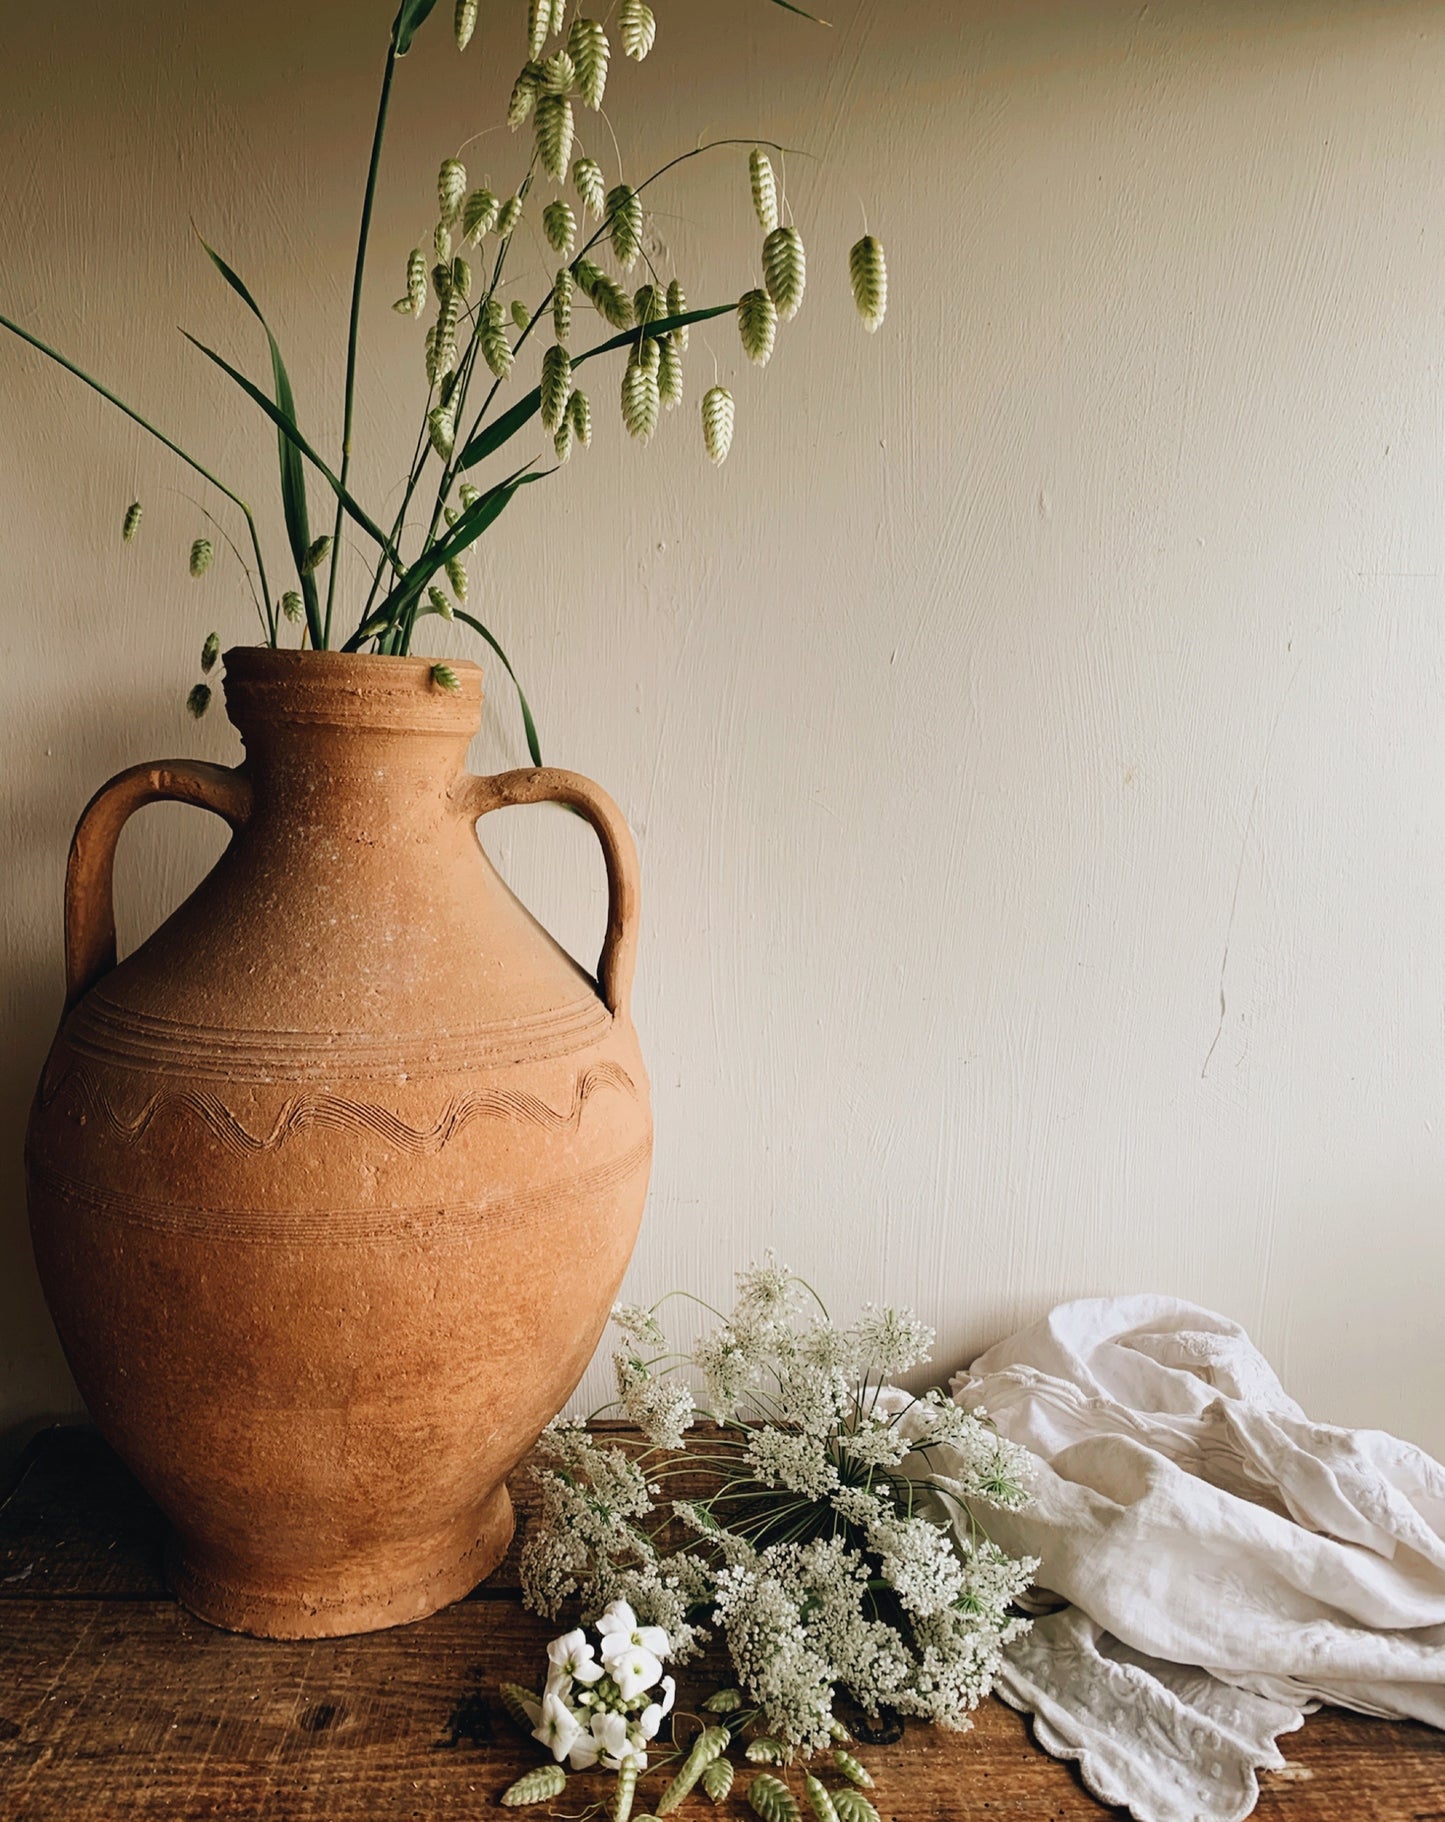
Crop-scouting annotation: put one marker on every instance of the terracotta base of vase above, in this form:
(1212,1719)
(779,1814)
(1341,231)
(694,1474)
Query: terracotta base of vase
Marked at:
(358,1596)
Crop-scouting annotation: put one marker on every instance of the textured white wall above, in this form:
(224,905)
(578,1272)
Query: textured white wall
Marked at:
(1033,735)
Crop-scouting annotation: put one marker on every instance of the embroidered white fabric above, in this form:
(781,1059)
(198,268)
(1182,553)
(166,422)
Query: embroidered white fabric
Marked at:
(1228,1564)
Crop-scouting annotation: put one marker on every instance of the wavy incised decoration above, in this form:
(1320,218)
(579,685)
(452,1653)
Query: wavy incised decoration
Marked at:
(336,1112)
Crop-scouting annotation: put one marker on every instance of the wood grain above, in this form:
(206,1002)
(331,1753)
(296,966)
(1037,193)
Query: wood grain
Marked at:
(116,1704)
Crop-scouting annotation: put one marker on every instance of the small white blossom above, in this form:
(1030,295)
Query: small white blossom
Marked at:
(892,1341)
(634,1670)
(656,1713)
(571,1658)
(621,1630)
(558,1727)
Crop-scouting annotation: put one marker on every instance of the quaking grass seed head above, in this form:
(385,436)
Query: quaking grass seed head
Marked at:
(590,185)
(853,1806)
(764,188)
(457,577)
(198,700)
(210,651)
(624,224)
(819,1800)
(868,274)
(757,326)
(562,304)
(464,22)
(508,216)
(562,439)
(451,188)
(445,678)
(717,423)
(316,554)
(461,277)
(130,524)
(537,1786)
(771,1799)
(554,134)
(441,241)
(717,1780)
(539,25)
(556,386)
(785,270)
(579,410)
(524,93)
(559,225)
(669,371)
(479,214)
(416,280)
(202,551)
(640,401)
(677,306)
(590,52)
(559,73)
(637,28)
(291,606)
(441,430)
(468,495)
(521,315)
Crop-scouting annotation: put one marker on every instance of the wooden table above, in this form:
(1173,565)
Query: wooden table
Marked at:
(114,1703)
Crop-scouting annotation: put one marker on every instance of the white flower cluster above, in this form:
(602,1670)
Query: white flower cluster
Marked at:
(605,1713)
(822,1549)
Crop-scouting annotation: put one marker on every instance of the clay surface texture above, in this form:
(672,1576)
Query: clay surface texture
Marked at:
(333,1181)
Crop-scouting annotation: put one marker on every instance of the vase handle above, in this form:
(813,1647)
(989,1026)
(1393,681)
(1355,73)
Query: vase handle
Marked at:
(90,871)
(548,784)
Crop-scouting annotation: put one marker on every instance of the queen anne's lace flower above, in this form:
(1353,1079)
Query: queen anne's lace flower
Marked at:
(822,1553)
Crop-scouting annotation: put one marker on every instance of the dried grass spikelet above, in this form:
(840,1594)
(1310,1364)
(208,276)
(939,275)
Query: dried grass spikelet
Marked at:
(559,224)
(590,185)
(562,439)
(559,16)
(554,134)
(508,216)
(469,495)
(765,1751)
(457,577)
(771,1799)
(461,277)
(521,315)
(624,224)
(524,93)
(852,1769)
(636,27)
(291,606)
(464,22)
(717,1780)
(640,403)
(515,1700)
(317,552)
(202,552)
(441,241)
(648,353)
(539,26)
(562,304)
(198,699)
(479,214)
(416,280)
(757,326)
(433,371)
(765,189)
(624,1792)
(444,347)
(717,423)
(440,603)
(451,188)
(669,371)
(606,296)
(535,1786)
(819,1801)
(491,332)
(579,411)
(590,52)
(646,304)
(441,278)
(785,270)
(677,306)
(853,1806)
(441,429)
(130,524)
(445,678)
(559,73)
(210,651)
(556,385)
(868,272)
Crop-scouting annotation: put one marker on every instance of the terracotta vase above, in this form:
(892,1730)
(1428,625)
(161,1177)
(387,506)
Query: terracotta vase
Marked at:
(333,1181)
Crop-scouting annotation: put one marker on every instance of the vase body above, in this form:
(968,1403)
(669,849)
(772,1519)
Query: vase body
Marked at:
(333,1181)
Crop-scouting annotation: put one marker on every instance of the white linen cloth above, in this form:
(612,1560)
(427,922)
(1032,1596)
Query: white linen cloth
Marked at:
(1229,1564)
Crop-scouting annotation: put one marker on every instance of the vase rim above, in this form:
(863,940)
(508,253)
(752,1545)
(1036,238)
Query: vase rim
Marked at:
(349,690)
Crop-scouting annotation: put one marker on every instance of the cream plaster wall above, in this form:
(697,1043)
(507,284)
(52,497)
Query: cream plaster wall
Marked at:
(1033,736)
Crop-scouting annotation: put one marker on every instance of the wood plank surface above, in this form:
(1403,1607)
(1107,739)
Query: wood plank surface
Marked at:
(116,1704)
